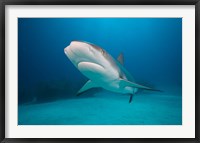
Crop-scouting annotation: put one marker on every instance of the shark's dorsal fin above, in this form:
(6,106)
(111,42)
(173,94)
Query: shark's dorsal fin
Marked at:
(88,85)
(124,83)
(121,58)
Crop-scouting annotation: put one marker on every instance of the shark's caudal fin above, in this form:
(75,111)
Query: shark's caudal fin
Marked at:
(124,83)
(121,58)
(88,85)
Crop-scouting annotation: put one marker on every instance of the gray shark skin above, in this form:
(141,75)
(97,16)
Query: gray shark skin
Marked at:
(101,69)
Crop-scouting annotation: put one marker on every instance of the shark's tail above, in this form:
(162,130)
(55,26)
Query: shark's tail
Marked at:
(131,95)
(154,90)
(124,83)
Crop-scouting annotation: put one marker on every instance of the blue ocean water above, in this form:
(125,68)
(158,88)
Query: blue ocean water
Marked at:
(48,81)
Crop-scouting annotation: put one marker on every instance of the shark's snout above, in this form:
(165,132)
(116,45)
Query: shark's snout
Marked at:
(65,51)
(77,47)
(79,52)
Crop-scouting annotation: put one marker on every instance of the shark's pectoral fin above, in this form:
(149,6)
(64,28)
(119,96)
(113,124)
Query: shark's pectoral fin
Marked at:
(88,85)
(124,83)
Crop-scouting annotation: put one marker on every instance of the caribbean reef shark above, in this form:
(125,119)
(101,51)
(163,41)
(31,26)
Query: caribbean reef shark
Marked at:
(101,69)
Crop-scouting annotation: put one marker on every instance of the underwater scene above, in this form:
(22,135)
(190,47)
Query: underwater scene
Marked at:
(99,71)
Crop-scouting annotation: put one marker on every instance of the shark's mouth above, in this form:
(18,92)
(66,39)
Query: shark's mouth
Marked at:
(90,63)
(90,69)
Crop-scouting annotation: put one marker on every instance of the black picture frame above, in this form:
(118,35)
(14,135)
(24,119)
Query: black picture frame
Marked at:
(3,3)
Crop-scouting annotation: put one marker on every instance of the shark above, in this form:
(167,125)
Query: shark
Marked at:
(102,69)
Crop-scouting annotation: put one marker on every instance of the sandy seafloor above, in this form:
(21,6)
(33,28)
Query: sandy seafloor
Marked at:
(106,108)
